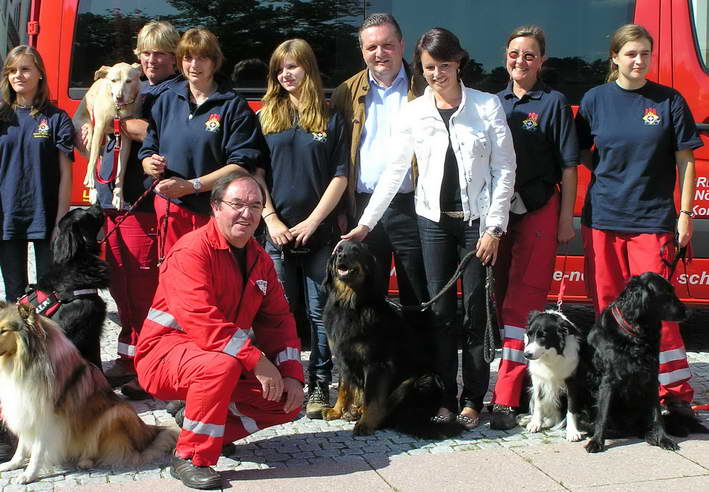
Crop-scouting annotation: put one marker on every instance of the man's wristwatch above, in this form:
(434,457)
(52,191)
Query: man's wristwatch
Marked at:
(495,232)
(196,184)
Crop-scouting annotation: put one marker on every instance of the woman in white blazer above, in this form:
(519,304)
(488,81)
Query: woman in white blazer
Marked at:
(466,164)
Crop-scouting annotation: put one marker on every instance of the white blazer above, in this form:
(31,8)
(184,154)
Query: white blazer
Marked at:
(482,144)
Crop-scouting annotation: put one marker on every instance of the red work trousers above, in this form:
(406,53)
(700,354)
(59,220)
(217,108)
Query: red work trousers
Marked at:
(174,222)
(523,274)
(223,403)
(131,253)
(611,259)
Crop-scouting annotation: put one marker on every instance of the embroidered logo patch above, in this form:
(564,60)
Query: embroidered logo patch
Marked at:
(262,285)
(651,117)
(212,123)
(320,136)
(531,122)
(42,129)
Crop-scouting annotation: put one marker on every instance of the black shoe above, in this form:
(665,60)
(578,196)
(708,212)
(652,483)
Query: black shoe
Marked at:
(7,449)
(133,391)
(318,400)
(173,406)
(196,477)
(503,417)
(229,449)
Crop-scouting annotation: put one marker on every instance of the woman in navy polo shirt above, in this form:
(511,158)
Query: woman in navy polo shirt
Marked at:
(306,177)
(644,135)
(199,131)
(542,214)
(36,151)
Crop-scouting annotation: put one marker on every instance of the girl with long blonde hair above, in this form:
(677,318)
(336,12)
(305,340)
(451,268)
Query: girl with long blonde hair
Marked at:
(306,174)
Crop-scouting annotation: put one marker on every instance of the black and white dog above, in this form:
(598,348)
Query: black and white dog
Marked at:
(552,345)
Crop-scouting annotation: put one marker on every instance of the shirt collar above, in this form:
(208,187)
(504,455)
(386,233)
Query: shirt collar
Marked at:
(535,93)
(397,80)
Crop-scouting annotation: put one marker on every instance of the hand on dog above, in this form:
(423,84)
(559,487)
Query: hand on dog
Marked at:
(154,165)
(303,231)
(270,379)
(356,234)
(486,249)
(294,394)
(279,232)
(174,187)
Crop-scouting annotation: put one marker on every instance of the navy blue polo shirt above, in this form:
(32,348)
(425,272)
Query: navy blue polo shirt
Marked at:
(135,182)
(636,133)
(197,140)
(543,134)
(300,166)
(30,170)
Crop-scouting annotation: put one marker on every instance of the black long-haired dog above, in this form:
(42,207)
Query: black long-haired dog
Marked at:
(385,371)
(76,274)
(624,346)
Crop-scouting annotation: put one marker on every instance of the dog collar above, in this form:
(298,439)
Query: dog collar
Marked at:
(627,327)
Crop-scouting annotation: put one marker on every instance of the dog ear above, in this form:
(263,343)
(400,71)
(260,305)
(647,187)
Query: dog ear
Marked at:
(138,66)
(329,268)
(532,315)
(636,299)
(68,242)
(101,72)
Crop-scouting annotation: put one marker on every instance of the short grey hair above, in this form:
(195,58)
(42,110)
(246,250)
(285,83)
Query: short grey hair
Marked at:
(379,19)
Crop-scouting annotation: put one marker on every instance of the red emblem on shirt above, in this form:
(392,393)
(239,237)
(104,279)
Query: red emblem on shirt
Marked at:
(531,122)
(651,117)
(212,123)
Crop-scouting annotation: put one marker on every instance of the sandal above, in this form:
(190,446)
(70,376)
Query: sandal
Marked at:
(442,419)
(468,422)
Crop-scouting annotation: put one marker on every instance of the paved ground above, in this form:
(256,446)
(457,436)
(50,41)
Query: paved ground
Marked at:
(317,455)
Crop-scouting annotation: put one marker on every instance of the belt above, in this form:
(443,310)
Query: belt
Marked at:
(459,214)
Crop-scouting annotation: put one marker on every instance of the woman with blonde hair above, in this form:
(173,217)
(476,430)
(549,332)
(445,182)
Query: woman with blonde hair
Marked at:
(36,152)
(644,135)
(199,131)
(306,174)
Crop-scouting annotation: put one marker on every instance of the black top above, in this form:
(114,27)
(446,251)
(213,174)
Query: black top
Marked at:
(450,186)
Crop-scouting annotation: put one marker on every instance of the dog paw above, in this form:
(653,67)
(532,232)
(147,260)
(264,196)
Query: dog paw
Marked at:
(27,477)
(331,414)
(93,196)
(574,436)
(362,430)
(668,444)
(10,466)
(534,426)
(595,446)
(117,202)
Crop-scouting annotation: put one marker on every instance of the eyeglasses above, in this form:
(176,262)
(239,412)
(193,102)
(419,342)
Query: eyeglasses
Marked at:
(239,206)
(525,56)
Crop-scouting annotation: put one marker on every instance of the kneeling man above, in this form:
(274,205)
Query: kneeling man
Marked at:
(220,336)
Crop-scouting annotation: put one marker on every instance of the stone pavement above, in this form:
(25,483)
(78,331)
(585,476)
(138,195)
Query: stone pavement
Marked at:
(317,455)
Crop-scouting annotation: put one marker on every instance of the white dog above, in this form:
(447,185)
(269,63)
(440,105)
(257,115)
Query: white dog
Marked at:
(552,345)
(114,94)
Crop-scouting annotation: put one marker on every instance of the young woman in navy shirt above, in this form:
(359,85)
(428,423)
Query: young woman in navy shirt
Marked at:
(644,135)
(199,131)
(546,147)
(306,176)
(36,152)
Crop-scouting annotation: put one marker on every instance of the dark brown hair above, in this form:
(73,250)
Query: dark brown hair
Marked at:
(442,45)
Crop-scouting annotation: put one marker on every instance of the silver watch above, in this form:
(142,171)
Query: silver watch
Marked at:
(495,232)
(196,184)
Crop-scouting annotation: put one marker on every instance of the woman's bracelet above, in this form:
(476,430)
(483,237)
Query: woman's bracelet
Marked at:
(268,214)
(687,212)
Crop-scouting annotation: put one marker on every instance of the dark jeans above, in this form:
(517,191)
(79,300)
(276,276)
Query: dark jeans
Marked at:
(307,271)
(13,264)
(444,244)
(397,233)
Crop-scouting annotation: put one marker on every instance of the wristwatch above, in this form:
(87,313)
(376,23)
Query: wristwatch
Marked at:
(495,232)
(688,213)
(196,184)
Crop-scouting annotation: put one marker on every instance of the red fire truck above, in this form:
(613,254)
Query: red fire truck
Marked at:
(75,37)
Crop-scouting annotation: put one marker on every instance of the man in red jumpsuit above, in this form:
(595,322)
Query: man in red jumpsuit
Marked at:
(220,336)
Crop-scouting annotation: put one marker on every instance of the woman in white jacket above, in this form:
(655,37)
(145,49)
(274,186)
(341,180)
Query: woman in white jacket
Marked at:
(466,164)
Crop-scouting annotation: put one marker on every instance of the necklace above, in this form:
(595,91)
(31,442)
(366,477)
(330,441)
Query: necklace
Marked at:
(22,106)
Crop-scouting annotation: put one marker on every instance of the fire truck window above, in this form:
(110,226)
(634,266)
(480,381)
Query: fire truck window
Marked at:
(700,16)
(248,31)
(577,35)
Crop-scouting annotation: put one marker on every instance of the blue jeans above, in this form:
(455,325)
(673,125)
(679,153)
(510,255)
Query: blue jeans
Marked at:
(444,244)
(13,264)
(307,271)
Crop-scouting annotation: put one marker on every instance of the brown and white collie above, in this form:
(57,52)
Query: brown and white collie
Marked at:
(60,407)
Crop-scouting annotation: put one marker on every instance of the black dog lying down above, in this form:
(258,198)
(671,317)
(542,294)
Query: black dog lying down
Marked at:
(624,346)
(386,380)
(75,275)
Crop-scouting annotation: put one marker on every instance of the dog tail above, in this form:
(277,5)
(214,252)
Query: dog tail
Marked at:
(415,402)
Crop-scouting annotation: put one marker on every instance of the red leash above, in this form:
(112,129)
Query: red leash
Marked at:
(120,218)
(116,152)
(562,285)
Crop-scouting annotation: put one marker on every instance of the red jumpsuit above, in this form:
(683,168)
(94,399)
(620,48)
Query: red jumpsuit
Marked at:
(205,333)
